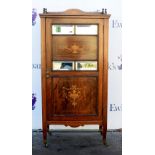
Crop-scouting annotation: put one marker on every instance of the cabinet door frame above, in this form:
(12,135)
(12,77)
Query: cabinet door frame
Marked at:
(102,64)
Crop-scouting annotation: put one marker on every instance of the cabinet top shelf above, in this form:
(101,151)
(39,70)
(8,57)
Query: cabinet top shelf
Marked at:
(75,12)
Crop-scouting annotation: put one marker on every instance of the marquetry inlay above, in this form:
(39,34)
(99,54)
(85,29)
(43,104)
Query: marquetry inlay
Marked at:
(74,48)
(72,94)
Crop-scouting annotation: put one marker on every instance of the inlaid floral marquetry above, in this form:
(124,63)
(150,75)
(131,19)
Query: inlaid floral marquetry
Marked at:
(74,48)
(72,94)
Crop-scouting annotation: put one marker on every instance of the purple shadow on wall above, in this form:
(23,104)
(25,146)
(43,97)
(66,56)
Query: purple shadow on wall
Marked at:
(34,15)
(34,99)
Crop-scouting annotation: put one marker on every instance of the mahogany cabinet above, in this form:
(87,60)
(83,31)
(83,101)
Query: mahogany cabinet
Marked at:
(74,68)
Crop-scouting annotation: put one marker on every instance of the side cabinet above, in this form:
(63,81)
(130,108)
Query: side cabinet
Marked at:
(74,67)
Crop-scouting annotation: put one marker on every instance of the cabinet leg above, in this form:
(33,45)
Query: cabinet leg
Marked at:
(45,137)
(104,134)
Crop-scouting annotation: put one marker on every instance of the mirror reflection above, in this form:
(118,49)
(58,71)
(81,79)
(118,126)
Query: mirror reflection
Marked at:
(63,29)
(63,65)
(86,65)
(75,29)
(86,29)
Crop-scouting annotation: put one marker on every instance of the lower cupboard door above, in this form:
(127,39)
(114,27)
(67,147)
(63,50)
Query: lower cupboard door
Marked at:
(74,97)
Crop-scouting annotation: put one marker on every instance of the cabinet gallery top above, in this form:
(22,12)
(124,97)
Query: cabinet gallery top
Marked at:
(75,12)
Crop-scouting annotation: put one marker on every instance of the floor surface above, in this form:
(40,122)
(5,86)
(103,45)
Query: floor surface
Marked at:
(77,143)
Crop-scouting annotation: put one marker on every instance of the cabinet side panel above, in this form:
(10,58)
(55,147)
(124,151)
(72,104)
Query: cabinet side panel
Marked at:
(100,62)
(105,73)
(43,71)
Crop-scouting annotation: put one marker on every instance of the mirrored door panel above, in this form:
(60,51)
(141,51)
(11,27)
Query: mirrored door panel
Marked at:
(63,65)
(63,29)
(86,65)
(86,29)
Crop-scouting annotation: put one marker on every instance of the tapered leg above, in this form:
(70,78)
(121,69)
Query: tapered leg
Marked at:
(45,134)
(104,134)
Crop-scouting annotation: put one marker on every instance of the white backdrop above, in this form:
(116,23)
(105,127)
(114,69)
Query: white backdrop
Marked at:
(115,56)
